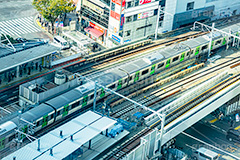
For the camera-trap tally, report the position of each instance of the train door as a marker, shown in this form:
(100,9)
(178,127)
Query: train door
(2,143)
(153,69)
(197,50)
(45,120)
(102,93)
(136,78)
(65,110)
(119,84)
(85,100)
(212,45)
(224,41)
(168,63)
(182,56)
(24,130)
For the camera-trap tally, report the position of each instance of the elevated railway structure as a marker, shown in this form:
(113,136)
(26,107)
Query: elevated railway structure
(172,90)
(180,118)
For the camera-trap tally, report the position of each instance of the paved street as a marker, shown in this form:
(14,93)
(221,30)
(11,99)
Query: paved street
(17,19)
(19,27)
(203,135)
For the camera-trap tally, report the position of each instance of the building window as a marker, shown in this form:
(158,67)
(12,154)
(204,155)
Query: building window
(128,33)
(113,6)
(155,12)
(136,2)
(129,4)
(129,19)
(190,6)
(135,17)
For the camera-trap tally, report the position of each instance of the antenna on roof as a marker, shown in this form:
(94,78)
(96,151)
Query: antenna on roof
(4,38)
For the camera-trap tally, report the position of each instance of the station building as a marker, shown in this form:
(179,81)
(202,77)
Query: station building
(117,22)
(27,58)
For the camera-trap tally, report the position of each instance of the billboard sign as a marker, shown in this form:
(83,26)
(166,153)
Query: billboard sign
(96,27)
(145,14)
(115,15)
(121,22)
(144,1)
(115,38)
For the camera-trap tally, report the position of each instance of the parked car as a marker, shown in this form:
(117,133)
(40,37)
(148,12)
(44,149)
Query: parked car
(205,154)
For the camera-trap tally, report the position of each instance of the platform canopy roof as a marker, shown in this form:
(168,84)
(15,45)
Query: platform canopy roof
(82,129)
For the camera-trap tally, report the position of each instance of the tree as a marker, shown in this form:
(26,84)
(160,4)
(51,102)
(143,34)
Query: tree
(51,9)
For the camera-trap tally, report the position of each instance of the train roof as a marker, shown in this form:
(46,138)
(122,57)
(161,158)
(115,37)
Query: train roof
(65,98)
(37,112)
(7,126)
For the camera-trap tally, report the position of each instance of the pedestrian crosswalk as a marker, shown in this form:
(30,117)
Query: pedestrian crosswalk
(18,27)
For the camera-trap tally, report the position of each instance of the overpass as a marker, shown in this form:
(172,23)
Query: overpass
(149,143)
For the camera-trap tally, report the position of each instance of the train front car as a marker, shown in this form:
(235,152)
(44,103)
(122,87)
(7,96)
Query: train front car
(7,134)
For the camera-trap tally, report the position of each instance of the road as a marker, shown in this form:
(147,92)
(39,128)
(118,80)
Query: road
(203,135)
(17,19)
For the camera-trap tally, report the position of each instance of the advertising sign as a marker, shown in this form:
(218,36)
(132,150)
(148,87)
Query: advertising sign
(93,6)
(117,2)
(145,14)
(115,15)
(116,38)
(237,117)
(121,22)
(96,27)
(144,1)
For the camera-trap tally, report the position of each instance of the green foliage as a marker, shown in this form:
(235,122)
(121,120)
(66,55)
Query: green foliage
(51,9)
(10,39)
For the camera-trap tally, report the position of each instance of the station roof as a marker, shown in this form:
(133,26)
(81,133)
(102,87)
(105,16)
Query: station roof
(27,55)
(82,128)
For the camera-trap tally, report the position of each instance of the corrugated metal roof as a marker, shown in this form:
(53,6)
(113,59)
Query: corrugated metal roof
(83,128)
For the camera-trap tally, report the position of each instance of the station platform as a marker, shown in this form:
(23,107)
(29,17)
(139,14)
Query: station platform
(102,143)
(84,137)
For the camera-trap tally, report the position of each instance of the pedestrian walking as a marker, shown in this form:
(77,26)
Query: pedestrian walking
(220,117)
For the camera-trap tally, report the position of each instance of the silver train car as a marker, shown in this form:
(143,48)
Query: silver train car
(59,107)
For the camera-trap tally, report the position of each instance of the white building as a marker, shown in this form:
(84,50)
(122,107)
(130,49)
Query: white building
(182,12)
(129,20)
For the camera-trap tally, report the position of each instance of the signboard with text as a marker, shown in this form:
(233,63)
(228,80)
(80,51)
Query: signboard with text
(96,27)
(144,1)
(115,15)
(145,14)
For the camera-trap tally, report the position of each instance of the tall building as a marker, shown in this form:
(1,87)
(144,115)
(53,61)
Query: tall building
(114,22)
(130,20)
(178,13)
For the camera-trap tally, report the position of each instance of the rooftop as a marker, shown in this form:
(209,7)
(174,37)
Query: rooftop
(24,54)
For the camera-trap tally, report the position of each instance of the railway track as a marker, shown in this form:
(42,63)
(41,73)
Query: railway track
(132,143)
(127,147)
(91,67)
(162,95)
(173,115)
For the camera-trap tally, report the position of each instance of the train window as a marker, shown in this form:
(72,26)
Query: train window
(51,117)
(58,113)
(112,86)
(75,104)
(204,47)
(11,138)
(38,123)
(145,72)
(92,96)
(218,42)
(175,59)
(188,53)
(160,65)
(130,78)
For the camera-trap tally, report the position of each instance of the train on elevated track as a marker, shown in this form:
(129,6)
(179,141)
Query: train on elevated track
(156,61)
